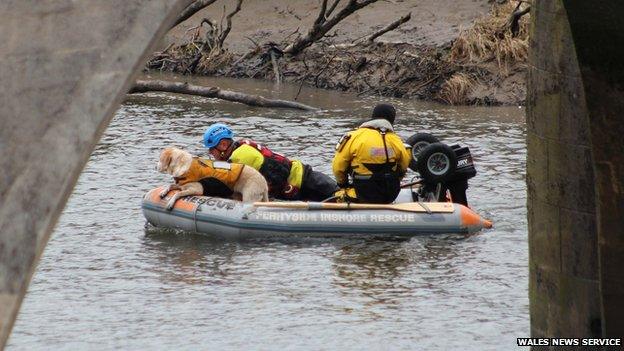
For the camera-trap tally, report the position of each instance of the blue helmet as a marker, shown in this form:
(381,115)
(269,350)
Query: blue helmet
(215,133)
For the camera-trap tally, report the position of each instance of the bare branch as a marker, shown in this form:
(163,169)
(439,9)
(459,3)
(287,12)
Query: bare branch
(320,19)
(318,75)
(514,21)
(392,26)
(362,4)
(296,31)
(193,65)
(276,69)
(221,21)
(242,58)
(164,51)
(142,86)
(192,9)
(292,12)
(319,30)
(228,27)
(332,8)
(254,42)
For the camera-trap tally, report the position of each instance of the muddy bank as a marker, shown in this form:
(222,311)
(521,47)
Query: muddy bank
(476,60)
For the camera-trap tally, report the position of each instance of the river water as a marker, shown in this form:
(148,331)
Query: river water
(105,283)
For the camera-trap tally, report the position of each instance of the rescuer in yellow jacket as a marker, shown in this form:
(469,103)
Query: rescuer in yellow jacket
(375,159)
(287,179)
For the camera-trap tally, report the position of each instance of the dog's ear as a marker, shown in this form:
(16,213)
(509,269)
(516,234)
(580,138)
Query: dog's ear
(165,160)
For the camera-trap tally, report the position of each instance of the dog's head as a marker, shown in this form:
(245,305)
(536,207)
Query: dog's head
(174,161)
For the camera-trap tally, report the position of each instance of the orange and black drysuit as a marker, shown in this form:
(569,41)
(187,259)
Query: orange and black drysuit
(217,178)
(287,179)
(375,158)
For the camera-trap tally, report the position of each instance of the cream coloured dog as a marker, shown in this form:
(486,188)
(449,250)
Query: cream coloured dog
(197,176)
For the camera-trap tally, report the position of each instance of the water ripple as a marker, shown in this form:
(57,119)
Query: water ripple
(103,283)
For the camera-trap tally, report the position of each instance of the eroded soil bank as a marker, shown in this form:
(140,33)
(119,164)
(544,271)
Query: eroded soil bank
(452,52)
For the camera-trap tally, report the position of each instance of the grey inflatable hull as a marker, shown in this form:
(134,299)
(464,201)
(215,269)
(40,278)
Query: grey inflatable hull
(235,219)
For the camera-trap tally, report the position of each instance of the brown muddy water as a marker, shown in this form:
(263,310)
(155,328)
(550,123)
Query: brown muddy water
(105,283)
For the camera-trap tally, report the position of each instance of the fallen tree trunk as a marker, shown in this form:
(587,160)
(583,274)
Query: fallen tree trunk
(144,86)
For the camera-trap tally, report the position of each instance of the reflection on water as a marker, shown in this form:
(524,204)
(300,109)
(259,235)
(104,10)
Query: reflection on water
(106,283)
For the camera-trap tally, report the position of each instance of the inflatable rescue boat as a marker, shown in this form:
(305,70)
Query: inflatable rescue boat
(235,219)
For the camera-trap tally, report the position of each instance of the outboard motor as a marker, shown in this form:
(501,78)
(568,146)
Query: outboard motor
(442,168)
(457,183)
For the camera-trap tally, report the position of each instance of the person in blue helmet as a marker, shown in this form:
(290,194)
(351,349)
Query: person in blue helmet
(287,179)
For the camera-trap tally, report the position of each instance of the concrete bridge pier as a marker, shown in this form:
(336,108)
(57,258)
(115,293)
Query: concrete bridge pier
(66,66)
(575,168)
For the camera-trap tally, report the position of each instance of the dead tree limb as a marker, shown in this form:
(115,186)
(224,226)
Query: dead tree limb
(241,59)
(224,33)
(276,69)
(324,24)
(301,86)
(193,65)
(143,86)
(257,46)
(318,75)
(320,18)
(514,20)
(192,9)
(392,26)
(273,53)
(331,8)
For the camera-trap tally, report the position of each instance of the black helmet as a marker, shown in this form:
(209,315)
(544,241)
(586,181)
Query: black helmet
(385,111)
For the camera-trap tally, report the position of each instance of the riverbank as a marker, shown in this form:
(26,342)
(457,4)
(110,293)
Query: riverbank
(446,52)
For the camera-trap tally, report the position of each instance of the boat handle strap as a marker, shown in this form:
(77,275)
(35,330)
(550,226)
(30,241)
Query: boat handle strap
(195,217)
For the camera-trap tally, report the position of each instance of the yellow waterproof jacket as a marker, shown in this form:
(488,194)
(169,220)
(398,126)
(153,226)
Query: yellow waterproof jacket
(251,156)
(227,173)
(361,152)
